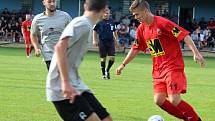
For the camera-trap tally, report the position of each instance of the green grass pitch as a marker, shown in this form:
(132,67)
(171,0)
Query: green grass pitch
(128,97)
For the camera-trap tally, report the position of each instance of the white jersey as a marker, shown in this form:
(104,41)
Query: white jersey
(49,28)
(79,31)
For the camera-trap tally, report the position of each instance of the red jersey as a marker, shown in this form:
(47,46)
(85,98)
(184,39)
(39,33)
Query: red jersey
(211,24)
(162,39)
(26,25)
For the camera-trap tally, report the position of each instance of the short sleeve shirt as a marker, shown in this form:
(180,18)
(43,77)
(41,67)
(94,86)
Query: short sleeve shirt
(50,30)
(26,25)
(79,31)
(105,29)
(162,39)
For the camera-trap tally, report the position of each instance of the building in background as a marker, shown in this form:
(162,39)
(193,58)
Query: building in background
(185,9)
(182,12)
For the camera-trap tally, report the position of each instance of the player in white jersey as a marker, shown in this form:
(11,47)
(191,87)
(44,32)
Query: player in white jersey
(49,26)
(73,99)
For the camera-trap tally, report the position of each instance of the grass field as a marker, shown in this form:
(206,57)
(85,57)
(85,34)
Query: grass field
(128,97)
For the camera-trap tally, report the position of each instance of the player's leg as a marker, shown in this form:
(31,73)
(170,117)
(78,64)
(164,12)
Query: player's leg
(160,98)
(31,47)
(103,64)
(111,54)
(103,54)
(97,107)
(93,117)
(27,46)
(48,64)
(27,50)
(79,110)
(175,87)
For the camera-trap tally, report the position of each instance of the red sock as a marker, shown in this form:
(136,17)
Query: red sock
(31,48)
(188,111)
(27,49)
(171,109)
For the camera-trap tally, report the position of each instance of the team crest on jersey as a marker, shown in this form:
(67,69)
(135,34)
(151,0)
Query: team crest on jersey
(176,31)
(136,42)
(155,47)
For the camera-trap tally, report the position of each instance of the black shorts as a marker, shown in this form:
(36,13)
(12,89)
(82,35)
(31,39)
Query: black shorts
(83,106)
(48,64)
(106,49)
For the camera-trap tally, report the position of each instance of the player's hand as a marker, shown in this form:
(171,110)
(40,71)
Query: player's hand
(119,69)
(199,59)
(37,52)
(95,44)
(69,92)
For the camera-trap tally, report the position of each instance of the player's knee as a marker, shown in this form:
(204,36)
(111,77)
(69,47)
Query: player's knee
(159,100)
(112,58)
(174,101)
(103,59)
(107,119)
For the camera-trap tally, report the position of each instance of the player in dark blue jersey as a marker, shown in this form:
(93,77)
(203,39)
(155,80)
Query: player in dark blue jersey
(106,32)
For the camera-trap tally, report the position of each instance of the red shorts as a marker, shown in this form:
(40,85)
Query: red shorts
(174,82)
(27,40)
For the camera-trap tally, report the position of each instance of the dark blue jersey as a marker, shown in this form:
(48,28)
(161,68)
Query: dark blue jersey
(105,29)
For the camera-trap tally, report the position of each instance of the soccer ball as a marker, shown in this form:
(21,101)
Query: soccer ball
(156,118)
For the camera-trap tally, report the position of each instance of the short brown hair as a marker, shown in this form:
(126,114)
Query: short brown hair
(95,5)
(139,4)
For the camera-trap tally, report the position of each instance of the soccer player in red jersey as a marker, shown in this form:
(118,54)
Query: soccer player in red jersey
(26,26)
(162,38)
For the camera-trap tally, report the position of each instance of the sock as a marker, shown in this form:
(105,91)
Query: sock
(110,63)
(103,67)
(188,111)
(171,109)
(27,50)
(31,48)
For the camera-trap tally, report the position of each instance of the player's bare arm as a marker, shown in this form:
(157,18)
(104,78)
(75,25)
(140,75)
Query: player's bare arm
(23,33)
(35,43)
(115,35)
(196,54)
(95,42)
(68,90)
(132,53)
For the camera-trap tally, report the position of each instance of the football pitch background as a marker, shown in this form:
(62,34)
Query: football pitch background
(128,97)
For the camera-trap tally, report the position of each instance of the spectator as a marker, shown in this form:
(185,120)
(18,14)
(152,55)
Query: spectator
(9,33)
(198,38)
(132,32)
(210,41)
(126,21)
(123,34)
(17,32)
(203,23)
(193,25)
(211,24)
(1,32)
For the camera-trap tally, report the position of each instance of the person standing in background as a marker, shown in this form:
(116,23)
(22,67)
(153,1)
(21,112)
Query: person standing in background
(108,37)
(26,27)
(48,25)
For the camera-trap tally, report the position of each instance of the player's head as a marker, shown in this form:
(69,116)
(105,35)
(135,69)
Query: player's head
(96,6)
(28,17)
(106,15)
(140,9)
(50,5)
